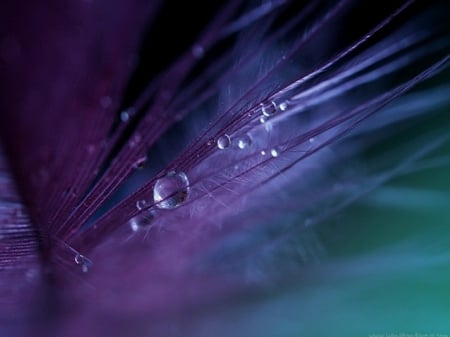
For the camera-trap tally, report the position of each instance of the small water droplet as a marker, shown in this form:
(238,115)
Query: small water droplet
(124,116)
(311,140)
(262,119)
(83,261)
(171,191)
(274,152)
(244,142)
(140,204)
(198,51)
(142,221)
(263,153)
(283,106)
(140,163)
(223,142)
(268,108)
(79,259)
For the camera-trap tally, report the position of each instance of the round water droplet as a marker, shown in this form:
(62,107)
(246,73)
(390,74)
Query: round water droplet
(140,204)
(268,108)
(283,106)
(171,191)
(142,221)
(124,116)
(244,142)
(263,153)
(79,259)
(274,152)
(223,142)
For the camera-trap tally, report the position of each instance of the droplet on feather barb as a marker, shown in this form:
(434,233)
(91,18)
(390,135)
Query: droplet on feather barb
(171,191)
(244,142)
(142,221)
(223,142)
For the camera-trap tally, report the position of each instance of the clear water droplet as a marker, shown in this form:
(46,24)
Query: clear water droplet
(223,142)
(83,261)
(171,191)
(140,204)
(263,153)
(244,142)
(283,106)
(142,221)
(275,152)
(268,108)
(124,116)
(79,259)
(140,163)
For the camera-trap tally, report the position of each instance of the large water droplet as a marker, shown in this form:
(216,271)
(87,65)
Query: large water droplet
(171,191)
(223,142)
(244,142)
(142,221)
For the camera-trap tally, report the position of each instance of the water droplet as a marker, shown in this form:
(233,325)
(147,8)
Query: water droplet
(124,116)
(244,142)
(274,152)
(140,163)
(263,153)
(223,142)
(79,259)
(268,108)
(171,191)
(142,221)
(262,119)
(83,261)
(140,204)
(283,106)
(198,51)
